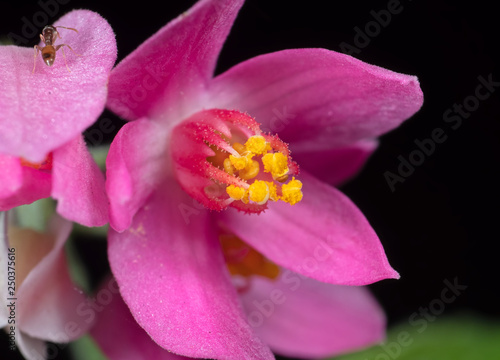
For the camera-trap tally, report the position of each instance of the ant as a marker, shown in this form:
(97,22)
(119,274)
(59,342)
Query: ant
(48,36)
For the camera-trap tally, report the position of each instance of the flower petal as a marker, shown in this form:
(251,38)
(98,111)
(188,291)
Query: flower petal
(136,163)
(120,337)
(31,348)
(325,237)
(168,72)
(335,166)
(47,299)
(78,185)
(172,275)
(4,259)
(45,109)
(20,184)
(316,98)
(301,317)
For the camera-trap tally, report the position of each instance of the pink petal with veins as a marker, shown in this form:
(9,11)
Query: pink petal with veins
(167,75)
(78,185)
(20,184)
(135,165)
(119,335)
(172,275)
(301,317)
(325,237)
(318,99)
(45,109)
(336,166)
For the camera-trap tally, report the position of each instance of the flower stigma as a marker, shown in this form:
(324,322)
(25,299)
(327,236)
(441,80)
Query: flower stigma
(223,159)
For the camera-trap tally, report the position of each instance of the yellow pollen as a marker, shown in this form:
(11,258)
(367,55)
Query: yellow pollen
(292,192)
(259,192)
(228,167)
(239,162)
(251,171)
(282,178)
(245,198)
(239,148)
(243,260)
(257,144)
(235,192)
(276,164)
(272,191)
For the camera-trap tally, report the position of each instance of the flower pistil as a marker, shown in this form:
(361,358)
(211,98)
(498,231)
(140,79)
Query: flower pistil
(240,166)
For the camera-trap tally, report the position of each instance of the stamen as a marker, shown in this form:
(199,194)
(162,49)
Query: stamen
(243,260)
(239,162)
(235,192)
(259,192)
(292,192)
(208,151)
(228,166)
(277,165)
(239,148)
(251,171)
(257,144)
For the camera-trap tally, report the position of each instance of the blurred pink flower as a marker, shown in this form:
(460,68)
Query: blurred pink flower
(42,151)
(46,302)
(165,250)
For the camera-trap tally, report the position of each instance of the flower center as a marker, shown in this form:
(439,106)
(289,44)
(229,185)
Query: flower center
(223,159)
(245,261)
(45,165)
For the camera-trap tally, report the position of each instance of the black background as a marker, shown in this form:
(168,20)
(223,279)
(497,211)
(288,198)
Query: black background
(441,222)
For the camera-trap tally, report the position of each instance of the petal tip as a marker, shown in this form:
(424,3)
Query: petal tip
(390,273)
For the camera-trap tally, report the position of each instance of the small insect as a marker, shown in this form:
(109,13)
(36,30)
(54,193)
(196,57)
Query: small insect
(48,36)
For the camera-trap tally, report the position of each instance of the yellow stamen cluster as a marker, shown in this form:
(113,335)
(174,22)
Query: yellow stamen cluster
(247,168)
(243,260)
(257,145)
(260,191)
(235,192)
(277,165)
(292,192)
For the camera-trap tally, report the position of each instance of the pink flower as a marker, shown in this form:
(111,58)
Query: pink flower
(42,152)
(43,306)
(338,318)
(119,336)
(300,317)
(165,250)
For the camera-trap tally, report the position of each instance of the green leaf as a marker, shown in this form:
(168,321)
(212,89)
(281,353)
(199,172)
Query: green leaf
(35,215)
(86,348)
(91,233)
(99,153)
(462,337)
